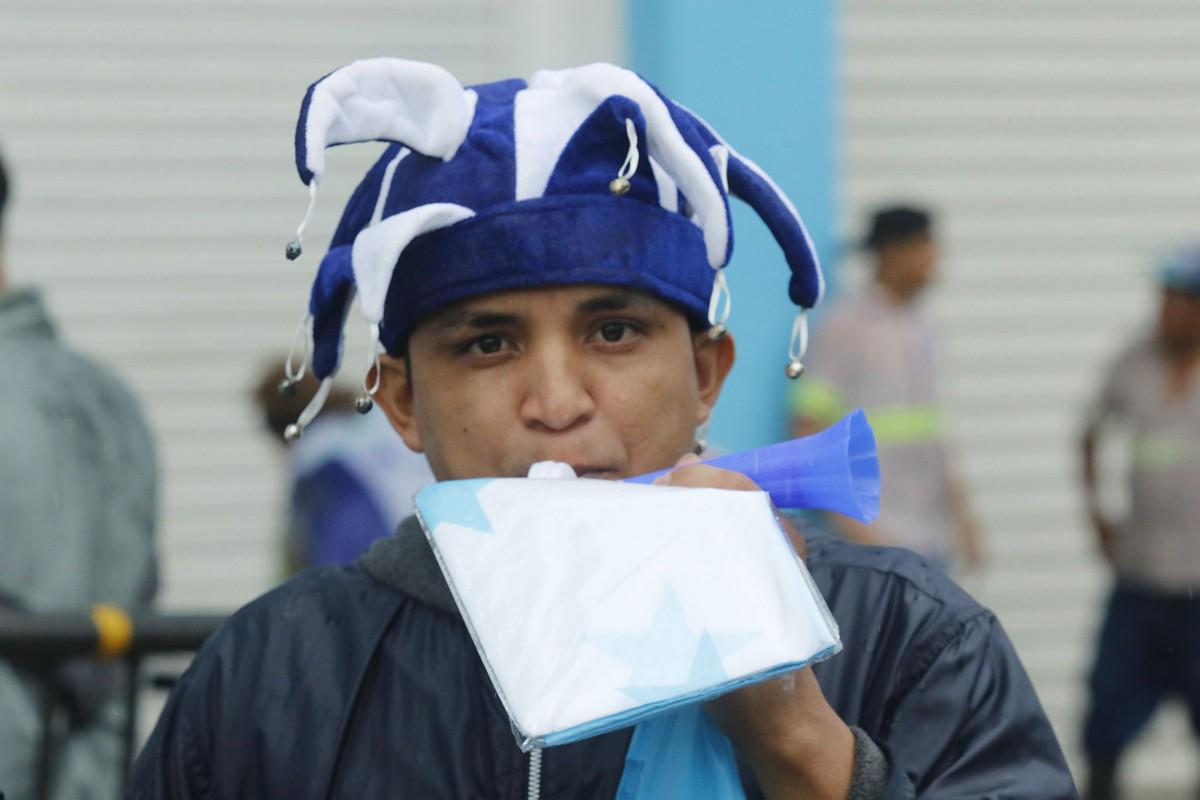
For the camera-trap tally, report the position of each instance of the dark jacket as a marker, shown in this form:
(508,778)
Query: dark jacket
(362,682)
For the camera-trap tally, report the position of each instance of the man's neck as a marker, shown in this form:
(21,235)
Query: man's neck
(895,294)
(1181,368)
(1185,358)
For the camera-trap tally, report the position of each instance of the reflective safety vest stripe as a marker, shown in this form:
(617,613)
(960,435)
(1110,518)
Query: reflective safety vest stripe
(818,400)
(905,424)
(1155,451)
(821,401)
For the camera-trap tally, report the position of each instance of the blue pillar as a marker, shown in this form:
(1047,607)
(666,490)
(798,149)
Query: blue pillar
(762,73)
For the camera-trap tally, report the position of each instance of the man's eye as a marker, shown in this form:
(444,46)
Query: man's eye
(614,331)
(488,344)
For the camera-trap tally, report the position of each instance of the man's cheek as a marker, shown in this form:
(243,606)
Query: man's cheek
(651,428)
(640,410)
(649,384)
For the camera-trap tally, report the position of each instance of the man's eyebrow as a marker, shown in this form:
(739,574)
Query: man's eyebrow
(475,320)
(615,301)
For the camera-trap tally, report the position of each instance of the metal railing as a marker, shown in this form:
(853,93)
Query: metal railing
(40,644)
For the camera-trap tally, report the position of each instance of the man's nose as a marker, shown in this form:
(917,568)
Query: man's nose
(557,397)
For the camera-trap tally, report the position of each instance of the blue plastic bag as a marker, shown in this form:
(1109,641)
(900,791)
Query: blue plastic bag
(680,754)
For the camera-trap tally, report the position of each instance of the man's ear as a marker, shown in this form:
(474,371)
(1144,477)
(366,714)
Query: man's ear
(714,359)
(395,397)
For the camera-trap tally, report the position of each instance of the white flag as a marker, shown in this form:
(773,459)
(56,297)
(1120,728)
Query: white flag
(596,604)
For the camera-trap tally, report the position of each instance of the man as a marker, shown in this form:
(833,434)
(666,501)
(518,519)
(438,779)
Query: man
(542,291)
(1149,643)
(876,351)
(77,519)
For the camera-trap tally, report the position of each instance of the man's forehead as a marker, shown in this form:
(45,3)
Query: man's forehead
(527,302)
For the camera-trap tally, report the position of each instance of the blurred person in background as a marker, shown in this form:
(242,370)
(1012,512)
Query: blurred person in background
(351,478)
(77,521)
(1149,643)
(876,351)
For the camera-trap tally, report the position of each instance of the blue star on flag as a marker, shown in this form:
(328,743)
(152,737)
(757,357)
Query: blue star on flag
(455,502)
(668,659)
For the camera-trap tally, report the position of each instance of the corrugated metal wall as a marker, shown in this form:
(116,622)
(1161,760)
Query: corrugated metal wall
(150,144)
(1060,141)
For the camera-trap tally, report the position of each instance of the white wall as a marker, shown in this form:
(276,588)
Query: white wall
(1060,141)
(150,142)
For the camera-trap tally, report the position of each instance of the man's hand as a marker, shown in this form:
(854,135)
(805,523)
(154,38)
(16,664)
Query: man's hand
(871,534)
(1106,530)
(1106,535)
(966,521)
(792,738)
(971,542)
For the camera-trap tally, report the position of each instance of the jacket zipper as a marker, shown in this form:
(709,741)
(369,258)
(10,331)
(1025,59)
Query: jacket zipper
(535,774)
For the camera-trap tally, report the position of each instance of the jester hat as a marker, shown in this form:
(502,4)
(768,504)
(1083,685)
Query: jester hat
(586,175)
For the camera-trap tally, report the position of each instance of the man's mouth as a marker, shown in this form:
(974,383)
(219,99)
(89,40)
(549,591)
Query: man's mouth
(592,471)
(581,468)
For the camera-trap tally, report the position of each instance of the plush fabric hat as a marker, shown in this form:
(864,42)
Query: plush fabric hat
(586,175)
(1181,269)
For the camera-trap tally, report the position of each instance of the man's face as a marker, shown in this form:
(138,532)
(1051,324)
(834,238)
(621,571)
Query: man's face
(1179,321)
(910,265)
(610,381)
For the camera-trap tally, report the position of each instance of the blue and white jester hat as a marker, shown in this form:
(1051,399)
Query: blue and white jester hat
(586,175)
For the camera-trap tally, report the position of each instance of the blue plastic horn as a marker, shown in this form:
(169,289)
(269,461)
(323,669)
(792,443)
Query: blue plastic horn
(835,470)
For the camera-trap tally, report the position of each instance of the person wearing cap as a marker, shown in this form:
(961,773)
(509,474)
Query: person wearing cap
(876,351)
(541,262)
(1149,641)
(78,512)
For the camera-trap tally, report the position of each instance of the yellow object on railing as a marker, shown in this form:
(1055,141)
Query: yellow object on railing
(114,630)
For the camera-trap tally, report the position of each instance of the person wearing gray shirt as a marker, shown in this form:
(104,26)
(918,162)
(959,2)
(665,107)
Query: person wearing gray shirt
(877,351)
(77,520)
(1150,639)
